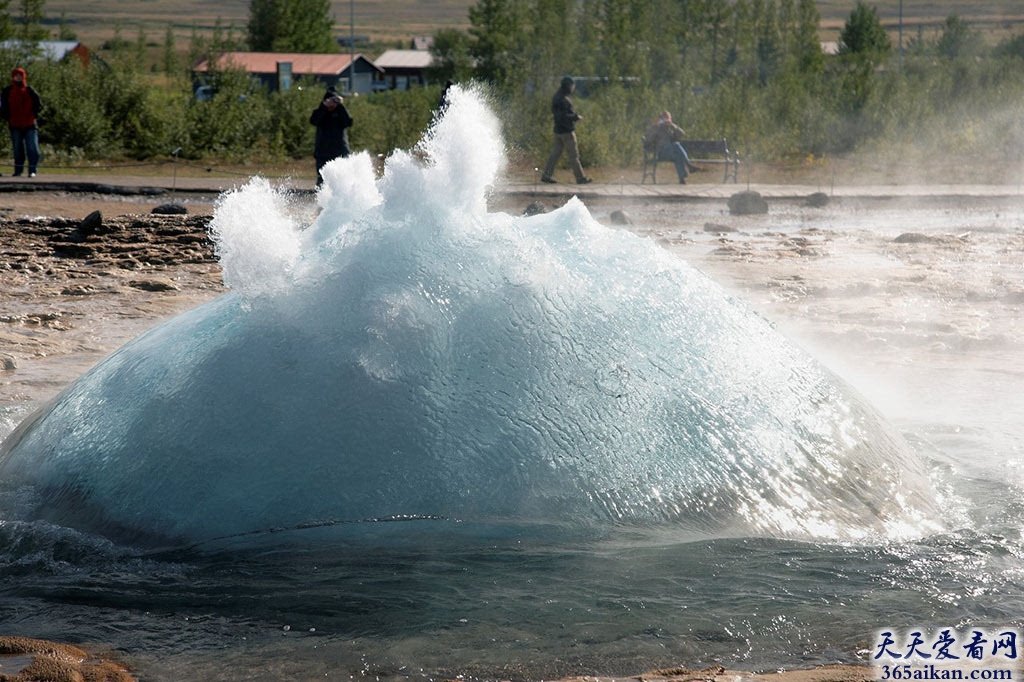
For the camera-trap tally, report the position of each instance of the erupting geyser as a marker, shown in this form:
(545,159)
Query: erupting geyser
(412,356)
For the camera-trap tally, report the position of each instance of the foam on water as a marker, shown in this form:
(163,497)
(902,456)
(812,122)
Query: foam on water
(411,356)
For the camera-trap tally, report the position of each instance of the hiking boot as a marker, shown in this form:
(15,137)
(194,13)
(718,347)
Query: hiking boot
(682,181)
(545,178)
(584,180)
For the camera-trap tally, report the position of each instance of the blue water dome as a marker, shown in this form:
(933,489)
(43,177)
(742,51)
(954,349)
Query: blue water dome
(414,361)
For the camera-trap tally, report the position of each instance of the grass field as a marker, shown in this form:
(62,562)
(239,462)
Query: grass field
(995,19)
(95,21)
(396,21)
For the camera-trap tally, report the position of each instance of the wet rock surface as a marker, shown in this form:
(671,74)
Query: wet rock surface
(747,203)
(73,290)
(23,659)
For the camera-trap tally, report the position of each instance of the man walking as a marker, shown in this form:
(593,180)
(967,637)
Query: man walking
(565,133)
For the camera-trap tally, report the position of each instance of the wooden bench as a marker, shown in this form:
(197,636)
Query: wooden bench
(699,152)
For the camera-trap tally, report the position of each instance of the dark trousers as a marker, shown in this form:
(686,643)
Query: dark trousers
(322,161)
(25,141)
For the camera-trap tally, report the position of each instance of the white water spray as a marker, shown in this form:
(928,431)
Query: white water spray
(411,356)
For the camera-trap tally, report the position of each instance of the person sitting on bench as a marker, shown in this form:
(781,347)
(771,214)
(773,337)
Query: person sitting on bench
(664,138)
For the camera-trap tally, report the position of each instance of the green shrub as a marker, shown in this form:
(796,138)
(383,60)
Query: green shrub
(390,120)
(292,133)
(233,125)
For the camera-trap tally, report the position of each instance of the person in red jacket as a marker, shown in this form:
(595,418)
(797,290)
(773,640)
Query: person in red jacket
(20,105)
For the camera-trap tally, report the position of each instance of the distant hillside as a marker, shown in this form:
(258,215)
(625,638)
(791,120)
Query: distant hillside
(95,21)
(995,19)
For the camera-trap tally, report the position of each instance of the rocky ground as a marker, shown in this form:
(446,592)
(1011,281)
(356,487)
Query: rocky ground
(74,289)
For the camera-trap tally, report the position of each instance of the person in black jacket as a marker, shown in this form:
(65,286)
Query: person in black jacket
(565,133)
(332,122)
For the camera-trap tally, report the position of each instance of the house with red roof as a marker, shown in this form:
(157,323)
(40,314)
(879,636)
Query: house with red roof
(52,50)
(277,70)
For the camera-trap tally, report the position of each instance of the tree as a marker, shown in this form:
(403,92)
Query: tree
(1011,47)
(170,53)
(264,18)
(30,27)
(291,26)
(139,53)
(64,31)
(957,39)
(617,37)
(718,19)
(5,20)
(863,34)
(624,22)
(497,30)
(452,60)
(863,44)
(768,51)
(806,47)
(552,28)
(744,30)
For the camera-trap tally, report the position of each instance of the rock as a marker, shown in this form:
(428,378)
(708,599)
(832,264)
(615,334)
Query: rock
(120,241)
(7,362)
(817,200)
(192,239)
(73,250)
(620,218)
(78,290)
(43,661)
(730,250)
(170,209)
(41,318)
(535,208)
(718,229)
(153,285)
(91,224)
(747,203)
(915,238)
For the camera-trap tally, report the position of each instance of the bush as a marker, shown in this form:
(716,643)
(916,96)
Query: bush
(391,120)
(138,116)
(233,125)
(293,135)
